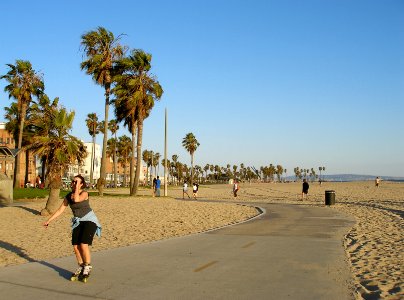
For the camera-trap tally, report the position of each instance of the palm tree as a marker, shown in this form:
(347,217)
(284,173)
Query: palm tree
(12,126)
(113,126)
(174,165)
(136,92)
(93,130)
(206,169)
(156,158)
(60,148)
(147,158)
(190,143)
(125,151)
(23,84)
(102,50)
(279,172)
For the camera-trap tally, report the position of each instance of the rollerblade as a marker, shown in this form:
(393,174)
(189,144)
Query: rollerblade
(85,274)
(76,275)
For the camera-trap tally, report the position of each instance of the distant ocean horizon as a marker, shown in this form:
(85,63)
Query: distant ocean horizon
(352,177)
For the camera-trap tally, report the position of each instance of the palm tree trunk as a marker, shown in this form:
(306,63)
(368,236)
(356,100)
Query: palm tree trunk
(139,154)
(54,200)
(101,182)
(124,173)
(132,160)
(26,166)
(17,179)
(192,168)
(92,162)
(43,165)
(115,164)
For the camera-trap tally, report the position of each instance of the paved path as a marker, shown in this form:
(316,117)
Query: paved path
(290,252)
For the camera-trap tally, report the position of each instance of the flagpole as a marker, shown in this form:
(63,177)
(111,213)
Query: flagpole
(165,155)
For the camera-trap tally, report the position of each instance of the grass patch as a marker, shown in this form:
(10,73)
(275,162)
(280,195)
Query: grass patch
(21,193)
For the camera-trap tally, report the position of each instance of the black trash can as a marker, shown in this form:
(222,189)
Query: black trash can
(329,197)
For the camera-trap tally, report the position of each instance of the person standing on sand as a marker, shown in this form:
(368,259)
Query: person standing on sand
(84,224)
(195,188)
(305,189)
(185,190)
(236,187)
(158,184)
(154,187)
(377,181)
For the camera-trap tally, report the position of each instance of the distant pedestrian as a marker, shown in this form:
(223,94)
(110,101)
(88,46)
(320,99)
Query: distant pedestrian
(158,184)
(185,190)
(195,188)
(154,187)
(305,189)
(236,188)
(377,181)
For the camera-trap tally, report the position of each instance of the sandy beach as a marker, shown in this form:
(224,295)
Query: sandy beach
(374,245)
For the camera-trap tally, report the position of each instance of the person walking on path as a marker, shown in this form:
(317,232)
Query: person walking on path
(158,184)
(195,188)
(305,189)
(236,187)
(84,225)
(185,190)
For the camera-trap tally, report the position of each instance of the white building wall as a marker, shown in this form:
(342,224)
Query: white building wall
(86,168)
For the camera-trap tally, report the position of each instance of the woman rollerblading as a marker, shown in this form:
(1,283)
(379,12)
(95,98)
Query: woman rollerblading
(84,225)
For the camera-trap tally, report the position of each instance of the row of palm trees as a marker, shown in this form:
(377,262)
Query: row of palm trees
(135,90)
(307,173)
(126,78)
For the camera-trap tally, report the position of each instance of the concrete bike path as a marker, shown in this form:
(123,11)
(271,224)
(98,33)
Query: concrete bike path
(289,252)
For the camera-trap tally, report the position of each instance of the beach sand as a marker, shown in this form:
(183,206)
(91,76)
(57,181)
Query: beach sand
(374,246)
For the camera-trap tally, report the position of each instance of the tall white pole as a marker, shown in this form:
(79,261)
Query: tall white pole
(165,155)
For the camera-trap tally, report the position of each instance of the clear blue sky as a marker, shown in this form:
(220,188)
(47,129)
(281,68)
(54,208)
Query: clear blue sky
(297,83)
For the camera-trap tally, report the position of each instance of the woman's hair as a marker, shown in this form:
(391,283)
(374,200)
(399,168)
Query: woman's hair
(82,180)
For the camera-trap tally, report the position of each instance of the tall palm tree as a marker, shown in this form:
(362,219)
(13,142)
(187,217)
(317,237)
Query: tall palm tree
(60,148)
(113,126)
(93,130)
(190,143)
(102,50)
(23,84)
(136,91)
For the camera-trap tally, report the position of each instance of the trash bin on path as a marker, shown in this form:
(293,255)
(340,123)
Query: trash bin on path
(329,197)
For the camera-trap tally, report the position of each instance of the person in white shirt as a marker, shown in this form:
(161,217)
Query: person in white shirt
(185,190)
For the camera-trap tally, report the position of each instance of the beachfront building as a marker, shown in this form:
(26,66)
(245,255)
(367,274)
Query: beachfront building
(85,168)
(121,172)
(7,165)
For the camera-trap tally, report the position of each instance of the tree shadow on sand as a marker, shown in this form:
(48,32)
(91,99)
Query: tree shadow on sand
(21,253)
(33,211)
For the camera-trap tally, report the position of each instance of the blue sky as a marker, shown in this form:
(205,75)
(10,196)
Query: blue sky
(296,83)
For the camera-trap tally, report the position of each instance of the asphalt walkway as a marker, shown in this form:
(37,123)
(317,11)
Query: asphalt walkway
(288,252)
